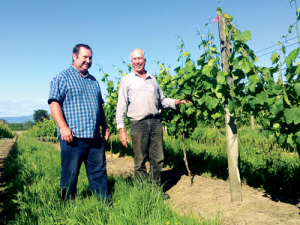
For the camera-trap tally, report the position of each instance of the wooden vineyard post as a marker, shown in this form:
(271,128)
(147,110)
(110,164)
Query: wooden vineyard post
(230,123)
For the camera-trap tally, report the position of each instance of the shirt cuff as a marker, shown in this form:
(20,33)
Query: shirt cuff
(173,105)
(120,125)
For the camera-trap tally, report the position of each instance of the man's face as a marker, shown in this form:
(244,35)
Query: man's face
(83,61)
(138,62)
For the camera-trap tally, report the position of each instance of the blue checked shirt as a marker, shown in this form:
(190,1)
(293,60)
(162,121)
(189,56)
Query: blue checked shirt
(80,99)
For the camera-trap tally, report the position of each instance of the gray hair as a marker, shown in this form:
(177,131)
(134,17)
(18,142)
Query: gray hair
(138,49)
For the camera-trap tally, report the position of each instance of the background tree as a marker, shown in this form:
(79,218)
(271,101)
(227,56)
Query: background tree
(40,114)
(3,121)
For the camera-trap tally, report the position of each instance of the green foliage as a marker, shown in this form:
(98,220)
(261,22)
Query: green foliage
(198,85)
(21,126)
(5,131)
(275,102)
(40,114)
(112,99)
(45,128)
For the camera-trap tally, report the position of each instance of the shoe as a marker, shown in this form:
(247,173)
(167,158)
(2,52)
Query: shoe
(166,196)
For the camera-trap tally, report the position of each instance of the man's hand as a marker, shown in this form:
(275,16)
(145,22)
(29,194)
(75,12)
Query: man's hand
(105,134)
(184,101)
(66,134)
(123,137)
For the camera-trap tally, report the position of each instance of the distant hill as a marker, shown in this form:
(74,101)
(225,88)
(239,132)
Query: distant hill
(20,119)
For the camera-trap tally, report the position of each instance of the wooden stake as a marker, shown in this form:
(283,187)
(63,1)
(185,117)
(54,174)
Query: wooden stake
(230,123)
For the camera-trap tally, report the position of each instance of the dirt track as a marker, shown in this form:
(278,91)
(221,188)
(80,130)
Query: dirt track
(5,146)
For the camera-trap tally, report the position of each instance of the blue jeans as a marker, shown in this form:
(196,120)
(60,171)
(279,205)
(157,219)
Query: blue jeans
(91,152)
(147,134)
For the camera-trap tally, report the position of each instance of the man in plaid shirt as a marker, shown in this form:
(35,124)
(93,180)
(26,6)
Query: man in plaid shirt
(75,102)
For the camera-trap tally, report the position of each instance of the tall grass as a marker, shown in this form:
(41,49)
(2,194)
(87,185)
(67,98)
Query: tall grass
(32,173)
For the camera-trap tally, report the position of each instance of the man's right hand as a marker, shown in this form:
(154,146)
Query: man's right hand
(66,134)
(124,137)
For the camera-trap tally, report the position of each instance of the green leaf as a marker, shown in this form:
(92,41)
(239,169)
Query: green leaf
(290,140)
(201,100)
(221,77)
(282,138)
(279,103)
(247,35)
(273,109)
(274,58)
(206,70)
(261,98)
(110,84)
(190,111)
(238,36)
(286,98)
(292,115)
(186,53)
(290,28)
(230,105)
(219,10)
(235,64)
(187,91)
(214,102)
(216,115)
(283,49)
(245,65)
(189,66)
(208,101)
(238,74)
(211,62)
(254,79)
(297,89)
(114,95)
(291,57)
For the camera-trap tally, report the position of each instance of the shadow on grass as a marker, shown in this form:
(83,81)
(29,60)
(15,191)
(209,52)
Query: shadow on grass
(117,147)
(11,175)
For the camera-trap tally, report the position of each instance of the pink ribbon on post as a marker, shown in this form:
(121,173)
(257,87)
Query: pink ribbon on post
(217,18)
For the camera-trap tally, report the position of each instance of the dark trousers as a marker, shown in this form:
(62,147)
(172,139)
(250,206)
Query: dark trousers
(147,134)
(91,152)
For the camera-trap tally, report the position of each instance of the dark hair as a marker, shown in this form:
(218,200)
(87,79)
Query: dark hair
(78,46)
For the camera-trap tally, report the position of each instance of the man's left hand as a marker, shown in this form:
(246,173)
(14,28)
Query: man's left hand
(183,101)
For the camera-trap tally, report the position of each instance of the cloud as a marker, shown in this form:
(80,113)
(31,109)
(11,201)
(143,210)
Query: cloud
(15,108)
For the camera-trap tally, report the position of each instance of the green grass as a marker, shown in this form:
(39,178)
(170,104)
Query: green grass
(32,172)
(32,176)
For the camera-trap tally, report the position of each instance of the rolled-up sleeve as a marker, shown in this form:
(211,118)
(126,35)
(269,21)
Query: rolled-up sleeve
(121,105)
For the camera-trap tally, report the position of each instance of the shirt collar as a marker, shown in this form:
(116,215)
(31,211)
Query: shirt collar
(75,70)
(147,75)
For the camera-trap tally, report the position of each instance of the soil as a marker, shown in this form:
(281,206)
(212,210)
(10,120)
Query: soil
(210,198)
(5,146)
(207,197)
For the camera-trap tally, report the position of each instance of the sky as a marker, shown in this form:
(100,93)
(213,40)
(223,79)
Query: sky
(37,38)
